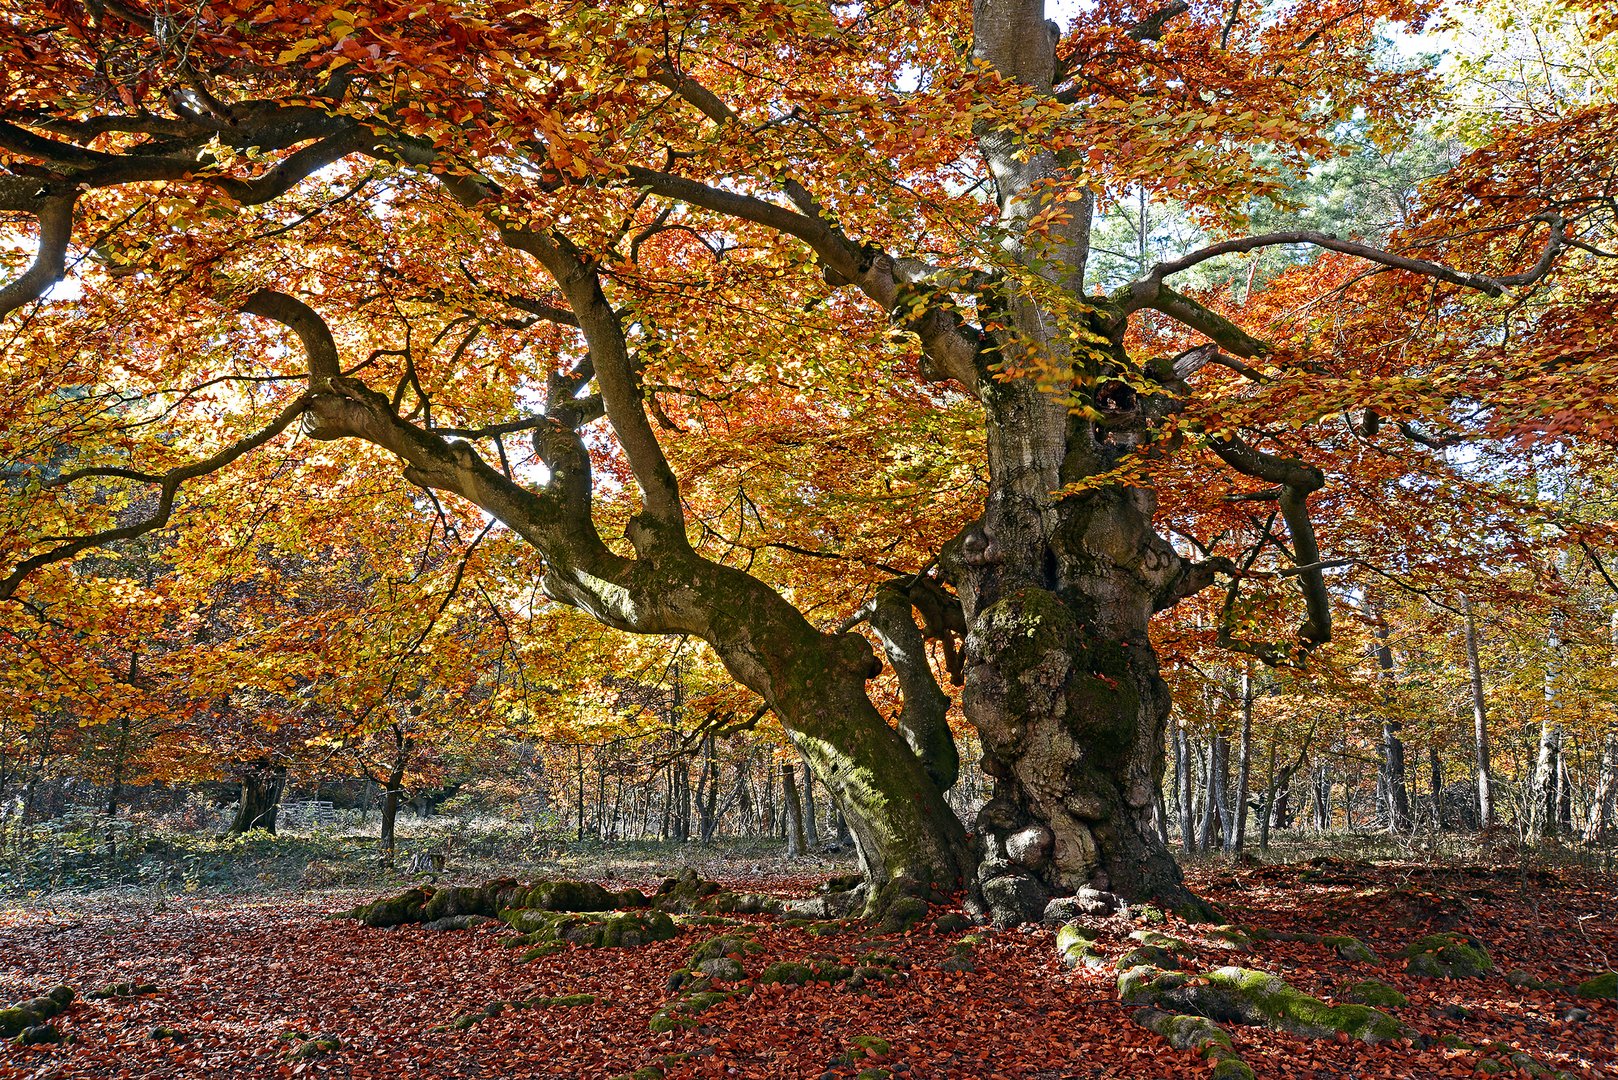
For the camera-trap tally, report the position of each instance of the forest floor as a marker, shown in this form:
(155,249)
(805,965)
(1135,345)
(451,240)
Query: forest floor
(235,979)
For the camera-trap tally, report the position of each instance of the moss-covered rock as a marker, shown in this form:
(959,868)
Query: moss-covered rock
(1231,1067)
(461,900)
(1447,956)
(732,945)
(951,922)
(1373,992)
(685,893)
(959,960)
(871,1044)
(1161,941)
(567,896)
(689,894)
(542,950)
(318,1046)
(14,1021)
(565,1001)
(43,1006)
(627,929)
(1184,1032)
(545,932)
(1075,945)
(795,973)
(461,922)
(876,969)
(62,994)
(1350,948)
(1200,1034)
(168,1034)
(645,1072)
(1148,956)
(1257,998)
(38,1035)
(1233,938)
(831,927)
(1142,984)
(1604,985)
(723,968)
(123,989)
(683,1012)
(1524,980)
(407,907)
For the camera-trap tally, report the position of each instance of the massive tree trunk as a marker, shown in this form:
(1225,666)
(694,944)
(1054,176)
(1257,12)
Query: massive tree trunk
(1063,686)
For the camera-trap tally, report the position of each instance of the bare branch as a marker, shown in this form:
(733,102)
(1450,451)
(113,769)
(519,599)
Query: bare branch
(169,487)
(1141,292)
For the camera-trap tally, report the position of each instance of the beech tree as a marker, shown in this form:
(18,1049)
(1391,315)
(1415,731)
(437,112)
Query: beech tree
(615,229)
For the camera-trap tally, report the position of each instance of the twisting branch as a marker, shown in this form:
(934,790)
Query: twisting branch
(169,487)
(1297,482)
(949,346)
(1152,26)
(55,215)
(1145,291)
(310,328)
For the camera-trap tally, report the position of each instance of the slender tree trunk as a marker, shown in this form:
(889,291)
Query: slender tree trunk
(1436,772)
(1564,788)
(1480,721)
(120,750)
(1226,820)
(1267,803)
(793,818)
(744,796)
(601,805)
(1182,773)
(1542,791)
(1205,826)
(770,808)
(393,792)
(1605,804)
(811,832)
(1244,761)
(578,767)
(1393,747)
(120,755)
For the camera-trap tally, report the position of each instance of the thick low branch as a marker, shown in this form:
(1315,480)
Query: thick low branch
(1152,26)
